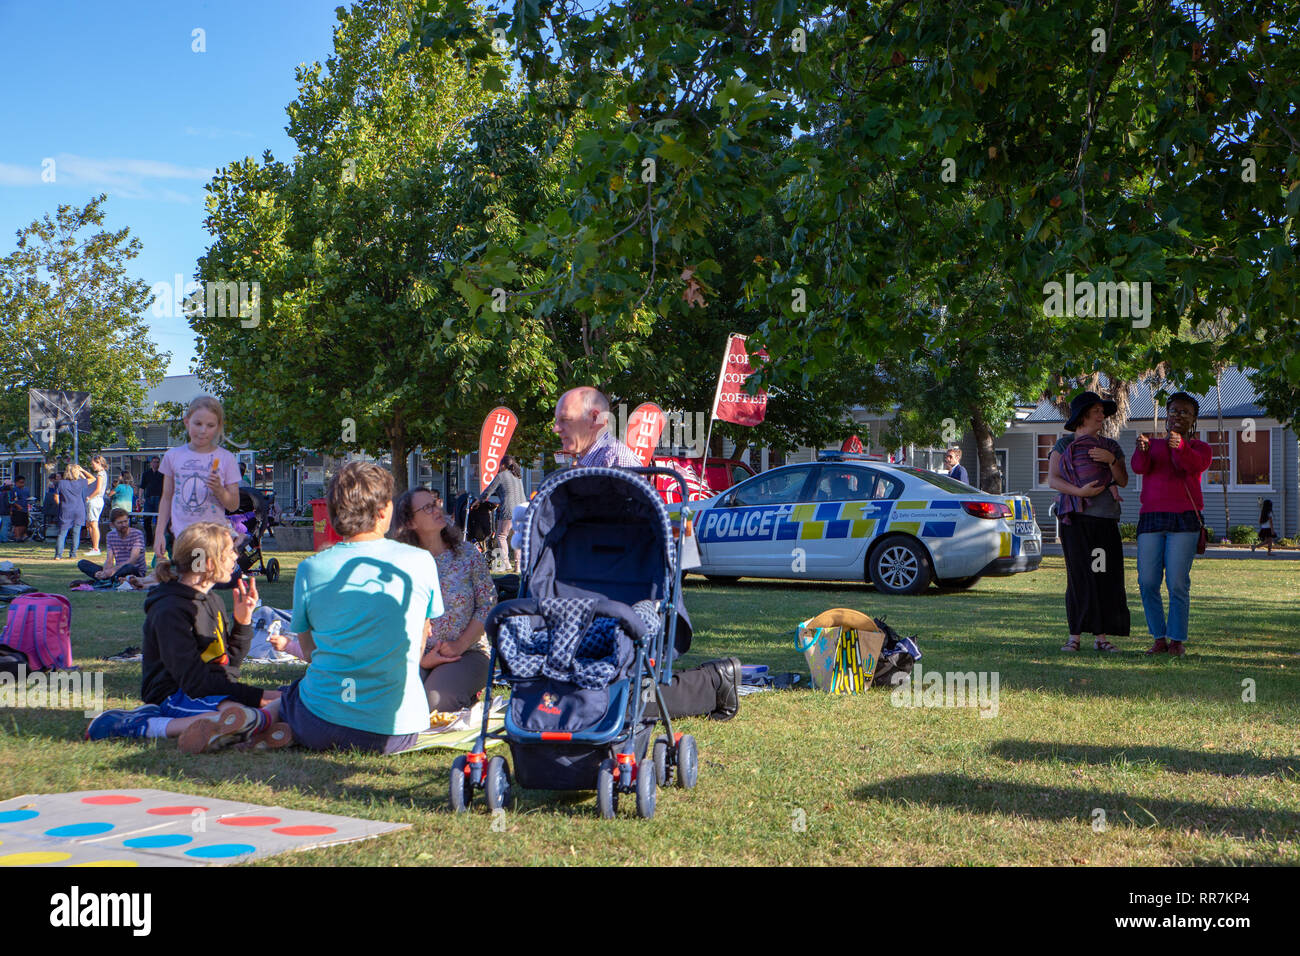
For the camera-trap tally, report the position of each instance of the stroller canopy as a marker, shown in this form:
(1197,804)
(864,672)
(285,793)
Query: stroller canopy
(601,531)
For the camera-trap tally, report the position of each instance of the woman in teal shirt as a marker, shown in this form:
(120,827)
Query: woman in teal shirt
(124,493)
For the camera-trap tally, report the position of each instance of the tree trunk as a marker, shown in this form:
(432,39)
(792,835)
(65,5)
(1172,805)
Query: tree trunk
(739,450)
(990,473)
(1119,395)
(399,448)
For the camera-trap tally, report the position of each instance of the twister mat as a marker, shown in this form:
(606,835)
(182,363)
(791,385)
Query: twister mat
(157,828)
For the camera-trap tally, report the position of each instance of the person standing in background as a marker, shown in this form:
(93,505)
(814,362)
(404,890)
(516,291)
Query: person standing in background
(95,500)
(73,490)
(1169,523)
(952,461)
(151,489)
(509,482)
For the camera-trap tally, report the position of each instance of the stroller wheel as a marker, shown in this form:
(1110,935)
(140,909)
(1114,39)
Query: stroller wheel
(645,790)
(461,790)
(606,794)
(273,570)
(500,794)
(662,769)
(688,762)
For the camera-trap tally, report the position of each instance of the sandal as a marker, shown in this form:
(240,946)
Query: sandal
(1070,645)
(1105,646)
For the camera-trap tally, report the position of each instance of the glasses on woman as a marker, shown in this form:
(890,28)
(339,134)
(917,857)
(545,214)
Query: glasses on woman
(431,508)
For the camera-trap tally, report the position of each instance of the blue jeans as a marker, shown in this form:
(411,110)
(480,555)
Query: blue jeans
(1167,555)
(63,534)
(5,521)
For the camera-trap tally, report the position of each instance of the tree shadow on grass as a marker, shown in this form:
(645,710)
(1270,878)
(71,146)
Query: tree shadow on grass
(1065,804)
(1172,759)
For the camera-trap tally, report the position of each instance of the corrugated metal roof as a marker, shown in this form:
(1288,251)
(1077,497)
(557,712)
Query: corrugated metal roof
(1239,400)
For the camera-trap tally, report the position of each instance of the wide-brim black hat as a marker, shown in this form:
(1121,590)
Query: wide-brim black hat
(1084,401)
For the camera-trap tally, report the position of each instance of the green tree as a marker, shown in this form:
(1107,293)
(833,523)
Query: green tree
(1121,142)
(362,343)
(70,318)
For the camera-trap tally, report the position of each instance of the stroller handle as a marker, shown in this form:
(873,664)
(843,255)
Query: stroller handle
(605,607)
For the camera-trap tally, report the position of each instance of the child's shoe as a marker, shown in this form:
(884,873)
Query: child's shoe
(122,723)
(271,737)
(207,735)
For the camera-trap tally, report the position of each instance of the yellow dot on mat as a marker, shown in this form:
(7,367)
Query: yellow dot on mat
(107,863)
(33,859)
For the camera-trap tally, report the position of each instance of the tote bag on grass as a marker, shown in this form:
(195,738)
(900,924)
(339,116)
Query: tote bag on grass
(842,648)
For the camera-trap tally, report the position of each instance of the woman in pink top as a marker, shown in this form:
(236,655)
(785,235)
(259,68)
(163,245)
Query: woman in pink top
(1169,522)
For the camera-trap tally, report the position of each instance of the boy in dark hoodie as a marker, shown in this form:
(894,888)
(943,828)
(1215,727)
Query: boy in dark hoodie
(191,657)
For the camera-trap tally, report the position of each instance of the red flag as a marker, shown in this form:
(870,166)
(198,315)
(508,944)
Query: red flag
(852,444)
(731,403)
(493,440)
(644,427)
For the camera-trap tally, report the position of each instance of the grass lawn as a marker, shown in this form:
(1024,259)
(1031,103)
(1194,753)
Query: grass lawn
(1185,771)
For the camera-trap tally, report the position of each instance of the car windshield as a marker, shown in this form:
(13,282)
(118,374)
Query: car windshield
(941,481)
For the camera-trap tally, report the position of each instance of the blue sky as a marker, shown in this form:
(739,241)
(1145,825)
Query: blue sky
(116,96)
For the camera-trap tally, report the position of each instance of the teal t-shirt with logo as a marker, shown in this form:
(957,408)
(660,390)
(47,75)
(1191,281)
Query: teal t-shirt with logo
(365,603)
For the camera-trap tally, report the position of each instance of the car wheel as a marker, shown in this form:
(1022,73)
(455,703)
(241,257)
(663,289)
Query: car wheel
(960,583)
(720,579)
(900,566)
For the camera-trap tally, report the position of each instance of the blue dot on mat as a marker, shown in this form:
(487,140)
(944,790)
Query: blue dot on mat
(222,850)
(13,816)
(166,839)
(79,829)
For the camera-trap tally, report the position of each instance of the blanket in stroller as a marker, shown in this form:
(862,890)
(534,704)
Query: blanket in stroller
(574,646)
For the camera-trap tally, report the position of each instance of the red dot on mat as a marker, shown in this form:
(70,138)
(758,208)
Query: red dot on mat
(304,831)
(249,821)
(110,800)
(173,811)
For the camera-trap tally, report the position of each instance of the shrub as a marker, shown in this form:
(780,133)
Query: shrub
(1128,532)
(1243,534)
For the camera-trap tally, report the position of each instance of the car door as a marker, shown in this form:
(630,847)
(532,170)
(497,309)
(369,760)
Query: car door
(747,531)
(846,507)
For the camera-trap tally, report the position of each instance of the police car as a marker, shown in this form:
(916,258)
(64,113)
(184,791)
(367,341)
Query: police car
(846,518)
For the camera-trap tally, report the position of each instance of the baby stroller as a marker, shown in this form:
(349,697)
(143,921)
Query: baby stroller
(585,647)
(253,519)
(478,519)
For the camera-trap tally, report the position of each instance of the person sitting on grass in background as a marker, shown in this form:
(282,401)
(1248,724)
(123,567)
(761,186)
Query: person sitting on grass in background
(125,551)
(192,654)
(361,610)
(1266,533)
(123,493)
(200,478)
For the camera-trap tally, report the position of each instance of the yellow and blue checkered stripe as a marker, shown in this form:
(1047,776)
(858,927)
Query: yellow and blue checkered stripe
(826,521)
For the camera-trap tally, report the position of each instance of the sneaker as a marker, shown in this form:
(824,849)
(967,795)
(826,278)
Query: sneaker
(93,553)
(1161,646)
(271,737)
(208,735)
(1176,649)
(122,723)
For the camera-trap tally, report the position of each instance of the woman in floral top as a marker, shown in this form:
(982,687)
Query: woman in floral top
(456,652)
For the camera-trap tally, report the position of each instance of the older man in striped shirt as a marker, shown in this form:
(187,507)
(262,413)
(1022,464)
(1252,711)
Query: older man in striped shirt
(582,422)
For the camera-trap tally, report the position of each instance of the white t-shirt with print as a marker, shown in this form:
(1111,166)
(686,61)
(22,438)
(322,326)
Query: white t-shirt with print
(192,500)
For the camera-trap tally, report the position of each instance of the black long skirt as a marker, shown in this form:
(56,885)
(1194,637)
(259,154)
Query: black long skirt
(1095,599)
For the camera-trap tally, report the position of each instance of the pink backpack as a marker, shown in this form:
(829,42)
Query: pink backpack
(40,625)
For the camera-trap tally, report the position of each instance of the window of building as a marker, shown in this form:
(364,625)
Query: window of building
(1242,457)
(1044,452)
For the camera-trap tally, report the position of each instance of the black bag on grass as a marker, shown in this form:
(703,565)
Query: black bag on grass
(896,656)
